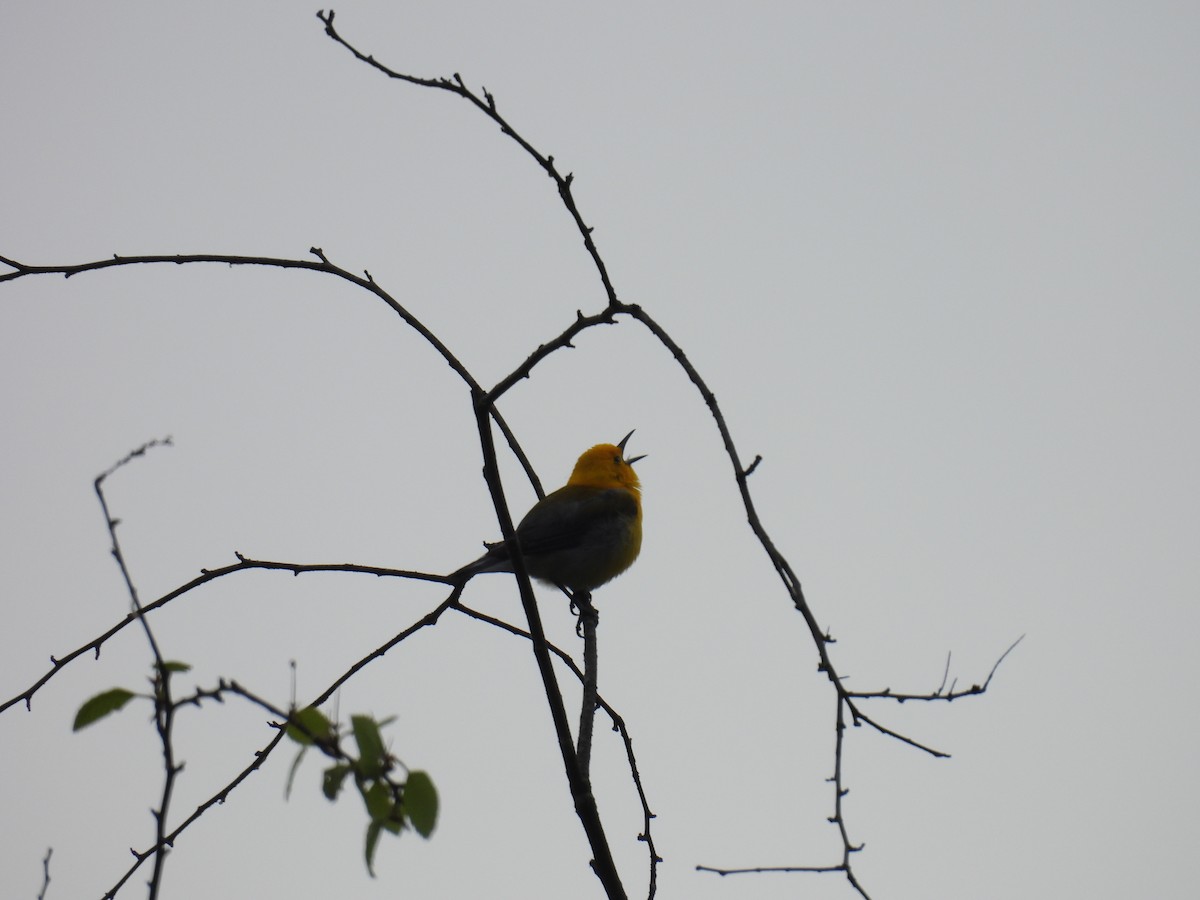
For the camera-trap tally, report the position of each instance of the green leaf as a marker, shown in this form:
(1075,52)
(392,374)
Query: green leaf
(421,802)
(373,832)
(331,783)
(309,725)
(379,801)
(172,665)
(394,825)
(287,790)
(370,746)
(100,706)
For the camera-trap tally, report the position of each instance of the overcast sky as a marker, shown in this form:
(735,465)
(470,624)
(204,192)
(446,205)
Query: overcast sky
(938,262)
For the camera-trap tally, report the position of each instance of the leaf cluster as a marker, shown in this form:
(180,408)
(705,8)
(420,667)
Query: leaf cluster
(395,797)
(392,804)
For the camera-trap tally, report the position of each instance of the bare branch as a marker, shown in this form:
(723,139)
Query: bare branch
(585,802)
(207,575)
(588,622)
(45,873)
(952,694)
(164,706)
(618,725)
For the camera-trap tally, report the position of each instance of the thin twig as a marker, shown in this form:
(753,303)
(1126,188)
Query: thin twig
(588,620)
(952,694)
(58,663)
(164,706)
(618,721)
(45,874)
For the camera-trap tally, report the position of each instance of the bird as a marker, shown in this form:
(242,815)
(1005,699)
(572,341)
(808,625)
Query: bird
(582,535)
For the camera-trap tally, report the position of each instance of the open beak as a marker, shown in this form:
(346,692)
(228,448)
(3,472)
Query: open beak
(621,447)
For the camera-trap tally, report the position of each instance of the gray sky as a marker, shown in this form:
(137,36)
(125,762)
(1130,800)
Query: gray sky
(936,260)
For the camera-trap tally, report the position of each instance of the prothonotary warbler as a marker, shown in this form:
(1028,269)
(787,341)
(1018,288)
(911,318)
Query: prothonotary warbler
(582,535)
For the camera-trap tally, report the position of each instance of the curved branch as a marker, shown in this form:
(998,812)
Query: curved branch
(243,564)
(323,265)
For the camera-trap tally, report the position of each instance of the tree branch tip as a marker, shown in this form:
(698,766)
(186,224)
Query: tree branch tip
(749,470)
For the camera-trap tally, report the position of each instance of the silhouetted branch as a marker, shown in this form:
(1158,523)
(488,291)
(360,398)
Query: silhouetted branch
(973,690)
(486,104)
(164,706)
(322,264)
(45,873)
(588,620)
(618,725)
(207,575)
(581,793)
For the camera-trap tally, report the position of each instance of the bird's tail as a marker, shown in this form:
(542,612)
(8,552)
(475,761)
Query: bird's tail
(495,560)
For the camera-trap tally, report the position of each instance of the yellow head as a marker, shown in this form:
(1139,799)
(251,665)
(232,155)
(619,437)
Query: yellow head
(605,466)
